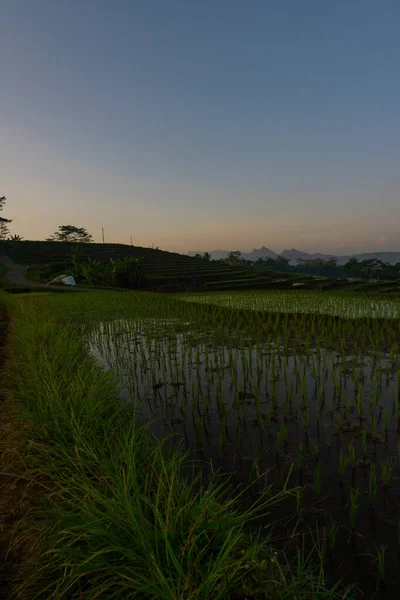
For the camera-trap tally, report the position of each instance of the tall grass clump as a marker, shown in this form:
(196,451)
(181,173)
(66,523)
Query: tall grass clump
(118,517)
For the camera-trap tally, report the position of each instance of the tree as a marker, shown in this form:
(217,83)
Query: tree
(234,258)
(4,231)
(392,271)
(374,268)
(371,268)
(331,262)
(206,256)
(14,241)
(70,233)
(269,261)
(317,264)
(352,267)
(281,261)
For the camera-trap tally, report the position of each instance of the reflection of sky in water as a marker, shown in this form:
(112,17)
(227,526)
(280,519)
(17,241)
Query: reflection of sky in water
(188,383)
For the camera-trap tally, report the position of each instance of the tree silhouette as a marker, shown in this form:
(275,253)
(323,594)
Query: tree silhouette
(234,258)
(4,231)
(70,233)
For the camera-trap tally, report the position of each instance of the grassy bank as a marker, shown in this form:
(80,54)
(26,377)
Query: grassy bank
(3,273)
(116,516)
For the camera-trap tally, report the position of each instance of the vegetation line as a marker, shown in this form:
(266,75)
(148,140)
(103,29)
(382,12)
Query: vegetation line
(117,519)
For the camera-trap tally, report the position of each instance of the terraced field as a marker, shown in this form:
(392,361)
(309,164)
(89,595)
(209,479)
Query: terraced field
(172,272)
(164,271)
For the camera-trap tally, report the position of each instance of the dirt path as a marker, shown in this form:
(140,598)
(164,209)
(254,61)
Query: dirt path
(15,491)
(16,276)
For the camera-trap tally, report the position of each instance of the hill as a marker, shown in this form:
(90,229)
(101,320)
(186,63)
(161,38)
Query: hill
(164,271)
(172,272)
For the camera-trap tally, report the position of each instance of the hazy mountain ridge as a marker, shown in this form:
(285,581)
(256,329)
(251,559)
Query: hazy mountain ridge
(253,255)
(293,254)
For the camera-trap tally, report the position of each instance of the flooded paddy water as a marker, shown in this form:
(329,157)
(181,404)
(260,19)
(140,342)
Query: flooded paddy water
(320,411)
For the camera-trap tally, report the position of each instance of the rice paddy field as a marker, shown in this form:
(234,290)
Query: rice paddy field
(290,389)
(266,386)
(349,306)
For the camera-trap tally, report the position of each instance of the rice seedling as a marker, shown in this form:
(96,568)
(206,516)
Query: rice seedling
(347,407)
(372,485)
(299,502)
(320,545)
(284,434)
(352,455)
(254,473)
(317,480)
(380,559)
(333,531)
(373,428)
(300,456)
(315,449)
(360,404)
(353,506)
(386,468)
(364,443)
(343,462)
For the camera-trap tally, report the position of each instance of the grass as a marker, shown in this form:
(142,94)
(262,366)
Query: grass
(118,517)
(46,272)
(3,273)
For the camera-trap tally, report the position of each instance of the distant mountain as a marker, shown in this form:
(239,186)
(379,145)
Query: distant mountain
(215,254)
(261,253)
(253,255)
(293,255)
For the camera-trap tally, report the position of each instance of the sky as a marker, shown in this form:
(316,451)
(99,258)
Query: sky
(219,124)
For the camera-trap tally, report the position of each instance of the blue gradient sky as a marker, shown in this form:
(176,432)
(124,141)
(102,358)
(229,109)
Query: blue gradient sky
(203,125)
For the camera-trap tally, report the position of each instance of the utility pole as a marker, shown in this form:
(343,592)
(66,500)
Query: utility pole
(131,241)
(102,233)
